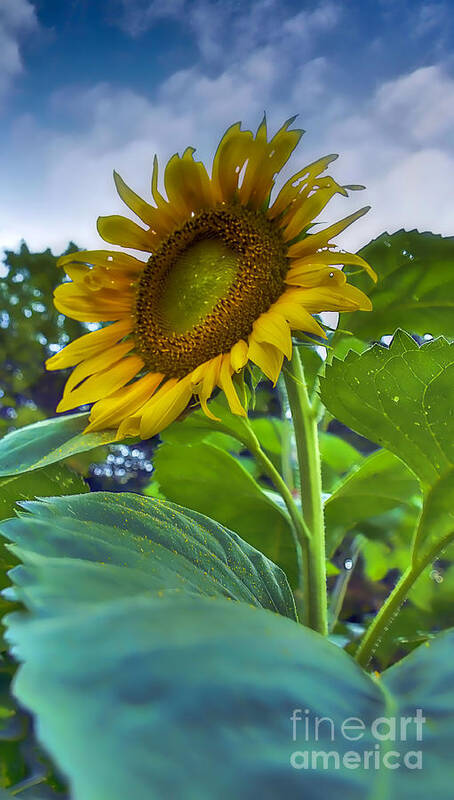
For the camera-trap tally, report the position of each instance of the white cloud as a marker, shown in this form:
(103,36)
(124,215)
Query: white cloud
(400,146)
(135,17)
(396,141)
(419,107)
(225,30)
(71,174)
(17,19)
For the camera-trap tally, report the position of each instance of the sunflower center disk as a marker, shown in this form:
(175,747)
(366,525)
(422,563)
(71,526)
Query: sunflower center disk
(200,277)
(205,286)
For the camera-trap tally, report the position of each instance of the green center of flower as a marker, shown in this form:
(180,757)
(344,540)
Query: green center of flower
(199,278)
(205,286)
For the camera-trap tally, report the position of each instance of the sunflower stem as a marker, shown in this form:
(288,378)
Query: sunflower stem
(315,611)
(384,617)
(395,601)
(299,529)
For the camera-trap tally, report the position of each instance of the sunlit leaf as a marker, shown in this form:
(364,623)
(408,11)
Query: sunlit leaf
(415,287)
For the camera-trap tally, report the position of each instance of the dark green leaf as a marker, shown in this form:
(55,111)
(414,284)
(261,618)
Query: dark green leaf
(46,442)
(210,480)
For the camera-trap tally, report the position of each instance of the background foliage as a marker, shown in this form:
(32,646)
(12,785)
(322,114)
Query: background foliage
(386,438)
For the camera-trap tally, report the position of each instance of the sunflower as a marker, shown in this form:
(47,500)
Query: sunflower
(229,275)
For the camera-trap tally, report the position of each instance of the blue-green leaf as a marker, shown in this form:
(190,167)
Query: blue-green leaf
(47,442)
(121,545)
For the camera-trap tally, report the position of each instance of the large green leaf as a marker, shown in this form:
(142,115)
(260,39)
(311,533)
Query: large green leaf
(400,398)
(52,480)
(46,442)
(55,479)
(436,526)
(415,287)
(189,697)
(210,480)
(125,544)
(382,482)
(22,761)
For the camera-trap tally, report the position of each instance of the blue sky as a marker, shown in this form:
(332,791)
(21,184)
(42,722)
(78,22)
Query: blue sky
(87,86)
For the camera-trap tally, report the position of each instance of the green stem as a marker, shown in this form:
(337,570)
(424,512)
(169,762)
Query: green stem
(395,600)
(286,461)
(384,617)
(299,529)
(306,435)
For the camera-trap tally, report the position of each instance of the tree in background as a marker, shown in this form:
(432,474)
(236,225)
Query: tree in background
(31,331)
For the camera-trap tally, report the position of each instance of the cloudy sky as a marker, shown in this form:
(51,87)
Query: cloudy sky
(87,86)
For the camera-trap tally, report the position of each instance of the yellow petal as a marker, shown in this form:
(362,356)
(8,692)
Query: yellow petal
(256,185)
(267,160)
(106,306)
(168,213)
(165,406)
(97,363)
(110,259)
(334,257)
(267,357)
(147,213)
(299,218)
(297,316)
(226,384)
(187,184)
(313,242)
(313,275)
(298,186)
(102,384)
(120,230)
(101,278)
(130,426)
(231,155)
(126,401)
(207,374)
(336,298)
(90,344)
(238,355)
(96,278)
(77,272)
(272,328)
